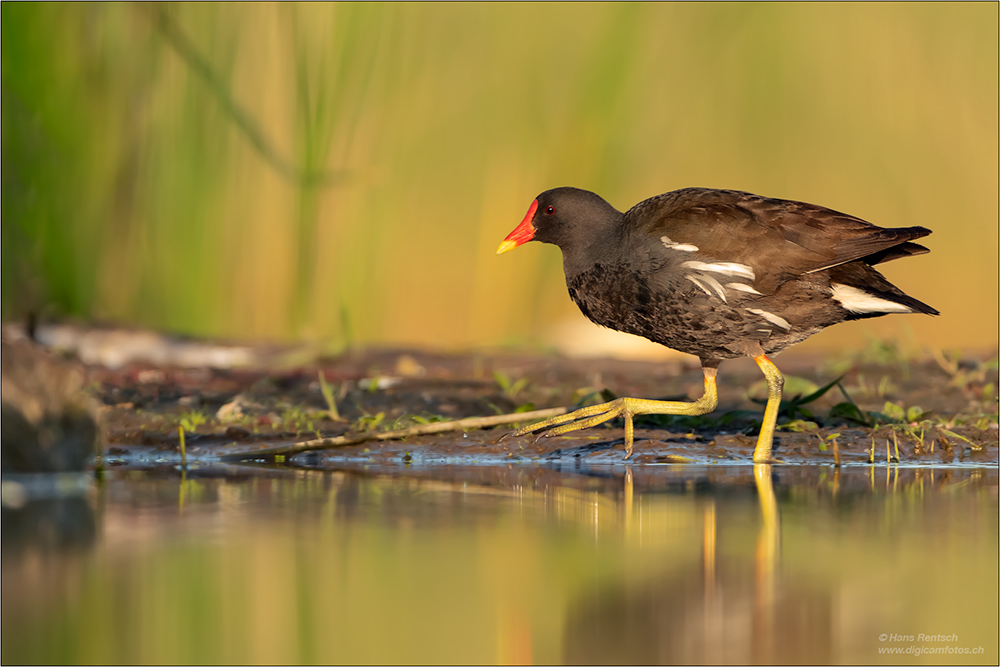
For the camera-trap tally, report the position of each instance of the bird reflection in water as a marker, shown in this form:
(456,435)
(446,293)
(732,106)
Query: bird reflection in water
(730,612)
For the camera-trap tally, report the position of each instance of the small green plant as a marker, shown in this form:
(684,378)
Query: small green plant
(966,373)
(799,426)
(508,388)
(849,411)
(802,426)
(867,388)
(493,406)
(184,461)
(406,421)
(952,434)
(331,402)
(296,419)
(913,422)
(428,419)
(190,421)
(832,439)
(369,422)
(897,413)
(978,381)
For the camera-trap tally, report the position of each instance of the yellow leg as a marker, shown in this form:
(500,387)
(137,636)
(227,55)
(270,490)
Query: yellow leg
(627,408)
(775,382)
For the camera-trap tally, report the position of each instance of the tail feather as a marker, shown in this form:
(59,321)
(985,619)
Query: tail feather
(864,292)
(896,252)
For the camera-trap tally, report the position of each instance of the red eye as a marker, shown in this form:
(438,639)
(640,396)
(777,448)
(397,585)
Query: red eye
(549,210)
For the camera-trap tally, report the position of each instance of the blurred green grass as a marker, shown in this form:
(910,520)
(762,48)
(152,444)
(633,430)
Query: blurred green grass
(343,173)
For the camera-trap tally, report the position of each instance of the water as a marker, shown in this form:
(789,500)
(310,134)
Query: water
(477,565)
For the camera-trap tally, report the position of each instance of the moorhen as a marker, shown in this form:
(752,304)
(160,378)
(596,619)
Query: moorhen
(717,274)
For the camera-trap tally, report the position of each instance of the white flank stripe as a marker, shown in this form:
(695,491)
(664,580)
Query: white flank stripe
(686,247)
(742,288)
(698,283)
(714,284)
(725,268)
(771,317)
(859,301)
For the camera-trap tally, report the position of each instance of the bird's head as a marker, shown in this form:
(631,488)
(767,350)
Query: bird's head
(567,217)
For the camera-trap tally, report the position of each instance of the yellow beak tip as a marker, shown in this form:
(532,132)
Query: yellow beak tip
(505,246)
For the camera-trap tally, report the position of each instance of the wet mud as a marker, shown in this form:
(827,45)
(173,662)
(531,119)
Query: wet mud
(920,412)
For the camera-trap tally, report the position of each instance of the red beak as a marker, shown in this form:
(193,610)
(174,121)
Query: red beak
(523,233)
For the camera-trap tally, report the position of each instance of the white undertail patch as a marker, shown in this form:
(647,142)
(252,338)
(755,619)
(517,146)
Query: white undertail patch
(859,301)
(673,245)
(725,268)
(771,317)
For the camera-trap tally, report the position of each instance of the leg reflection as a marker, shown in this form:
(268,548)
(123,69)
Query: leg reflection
(765,556)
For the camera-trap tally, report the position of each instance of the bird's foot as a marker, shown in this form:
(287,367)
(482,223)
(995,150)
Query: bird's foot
(573,421)
(764,451)
(580,419)
(620,407)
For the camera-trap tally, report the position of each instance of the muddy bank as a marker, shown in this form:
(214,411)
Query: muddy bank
(931,410)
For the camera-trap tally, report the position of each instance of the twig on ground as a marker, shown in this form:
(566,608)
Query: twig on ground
(422,429)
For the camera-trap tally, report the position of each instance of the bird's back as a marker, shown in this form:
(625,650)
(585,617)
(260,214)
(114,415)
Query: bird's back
(712,272)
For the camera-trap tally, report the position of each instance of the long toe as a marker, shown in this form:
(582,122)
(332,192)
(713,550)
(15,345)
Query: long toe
(573,421)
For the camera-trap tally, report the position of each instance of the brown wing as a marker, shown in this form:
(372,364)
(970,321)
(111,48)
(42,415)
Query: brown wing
(778,239)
